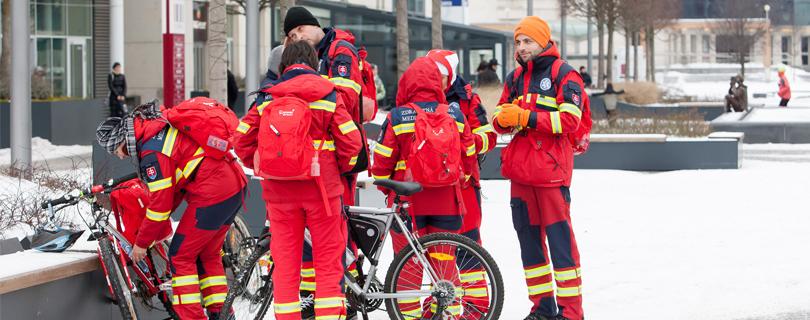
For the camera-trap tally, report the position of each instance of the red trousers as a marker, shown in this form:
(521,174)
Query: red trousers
(471,273)
(287,223)
(196,260)
(540,215)
(307,267)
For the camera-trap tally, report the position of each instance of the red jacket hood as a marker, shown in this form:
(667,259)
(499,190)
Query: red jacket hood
(344,35)
(303,82)
(421,82)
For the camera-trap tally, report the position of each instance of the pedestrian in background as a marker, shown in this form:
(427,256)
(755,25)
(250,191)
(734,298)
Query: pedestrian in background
(784,87)
(117,84)
(488,77)
(586,77)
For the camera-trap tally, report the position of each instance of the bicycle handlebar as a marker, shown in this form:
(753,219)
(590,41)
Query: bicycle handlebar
(102,188)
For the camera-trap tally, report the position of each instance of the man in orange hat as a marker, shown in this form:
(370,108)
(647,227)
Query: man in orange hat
(545,106)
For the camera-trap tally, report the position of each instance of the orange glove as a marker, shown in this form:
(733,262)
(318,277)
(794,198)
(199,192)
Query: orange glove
(513,116)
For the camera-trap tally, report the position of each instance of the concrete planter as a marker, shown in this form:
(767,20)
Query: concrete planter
(69,122)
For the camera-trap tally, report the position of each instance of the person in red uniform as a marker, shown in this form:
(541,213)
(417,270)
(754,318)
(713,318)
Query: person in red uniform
(784,87)
(541,105)
(340,63)
(460,92)
(436,209)
(297,204)
(175,168)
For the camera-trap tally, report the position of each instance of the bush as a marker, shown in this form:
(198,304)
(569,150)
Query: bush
(687,124)
(639,92)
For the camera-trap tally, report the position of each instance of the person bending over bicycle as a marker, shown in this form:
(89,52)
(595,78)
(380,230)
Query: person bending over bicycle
(427,141)
(175,167)
(300,139)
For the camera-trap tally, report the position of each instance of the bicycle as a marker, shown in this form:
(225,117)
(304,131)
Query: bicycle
(152,275)
(433,258)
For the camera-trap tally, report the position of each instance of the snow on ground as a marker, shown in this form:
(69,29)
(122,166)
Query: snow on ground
(45,154)
(776,114)
(712,85)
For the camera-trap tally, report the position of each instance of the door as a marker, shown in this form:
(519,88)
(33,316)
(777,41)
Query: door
(77,66)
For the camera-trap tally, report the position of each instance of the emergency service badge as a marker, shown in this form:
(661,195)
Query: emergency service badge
(343,70)
(545,84)
(575,99)
(151,172)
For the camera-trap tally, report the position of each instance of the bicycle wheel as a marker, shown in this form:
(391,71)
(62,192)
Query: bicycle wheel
(238,245)
(115,278)
(252,292)
(467,278)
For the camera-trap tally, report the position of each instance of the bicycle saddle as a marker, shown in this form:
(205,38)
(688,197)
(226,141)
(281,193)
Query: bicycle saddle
(399,187)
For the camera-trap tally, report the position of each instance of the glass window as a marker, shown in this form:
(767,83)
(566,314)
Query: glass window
(50,17)
(785,49)
(417,7)
(58,67)
(323,15)
(707,43)
(79,17)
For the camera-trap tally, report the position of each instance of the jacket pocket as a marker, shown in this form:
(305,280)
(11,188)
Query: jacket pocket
(520,214)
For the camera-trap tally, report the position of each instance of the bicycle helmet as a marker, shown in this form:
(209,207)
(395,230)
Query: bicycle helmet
(54,240)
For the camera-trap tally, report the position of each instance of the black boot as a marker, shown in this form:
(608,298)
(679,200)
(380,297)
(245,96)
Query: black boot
(307,305)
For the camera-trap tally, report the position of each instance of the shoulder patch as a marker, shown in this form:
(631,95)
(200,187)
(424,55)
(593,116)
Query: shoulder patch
(150,168)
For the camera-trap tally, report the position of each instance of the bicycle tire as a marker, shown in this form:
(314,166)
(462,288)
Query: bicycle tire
(261,297)
(493,273)
(238,245)
(115,277)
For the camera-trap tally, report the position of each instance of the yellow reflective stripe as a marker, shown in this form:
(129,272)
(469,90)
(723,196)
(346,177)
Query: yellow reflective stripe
(354,273)
(408,300)
(567,274)
(160,184)
(168,143)
(285,308)
(213,281)
(467,177)
(556,124)
(569,291)
(157,216)
(460,126)
(412,313)
(472,276)
(541,100)
(383,150)
(184,281)
(403,128)
(186,298)
(353,161)
(307,286)
(327,145)
(476,292)
(214,298)
(261,107)
(537,272)
(570,108)
(347,83)
(483,129)
(242,127)
(380,177)
(497,111)
(400,165)
(540,289)
(329,317)
(178,174)
(190,166)
(454,309)
(323,303)
(324,105)
(484,142)
(199,151)
(347,127)
(471,150)
(441,256)
(308,273)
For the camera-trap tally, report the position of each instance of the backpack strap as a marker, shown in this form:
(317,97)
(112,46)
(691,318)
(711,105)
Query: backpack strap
(559,69)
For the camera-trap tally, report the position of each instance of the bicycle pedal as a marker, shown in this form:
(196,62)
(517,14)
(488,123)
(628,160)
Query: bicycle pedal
(165,286)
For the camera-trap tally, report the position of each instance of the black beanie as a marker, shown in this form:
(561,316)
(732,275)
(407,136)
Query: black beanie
(298,16)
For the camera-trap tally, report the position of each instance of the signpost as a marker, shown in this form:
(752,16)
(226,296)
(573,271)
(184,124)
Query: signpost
(174,64)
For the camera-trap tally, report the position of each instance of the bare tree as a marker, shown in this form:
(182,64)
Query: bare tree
(436,25)
(403,50)
(5,55)
(594,9)
(242,4)
(631,19)
(217,58)
(743,29)
(657,16)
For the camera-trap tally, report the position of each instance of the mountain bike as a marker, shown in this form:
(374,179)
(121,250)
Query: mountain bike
(152,276)
(423,281)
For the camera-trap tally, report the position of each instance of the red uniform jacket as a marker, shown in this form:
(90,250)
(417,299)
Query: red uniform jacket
(175,168)
(420,84)
(542,154)
(784,87)
(470,104)
(343,140)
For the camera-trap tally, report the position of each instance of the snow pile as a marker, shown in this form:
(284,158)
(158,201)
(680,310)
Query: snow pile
(45,154)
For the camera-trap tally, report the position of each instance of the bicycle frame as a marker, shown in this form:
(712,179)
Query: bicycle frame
(391,216)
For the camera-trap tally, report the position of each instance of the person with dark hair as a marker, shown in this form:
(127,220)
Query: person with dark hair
(488,77)
(313,202)
(586,77)
(117,84)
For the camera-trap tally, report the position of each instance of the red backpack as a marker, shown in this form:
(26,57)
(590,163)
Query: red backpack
(286,150)
(129,201)
(206,121)
(435,156)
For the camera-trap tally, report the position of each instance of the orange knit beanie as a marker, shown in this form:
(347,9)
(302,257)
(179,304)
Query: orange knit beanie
(534,28)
